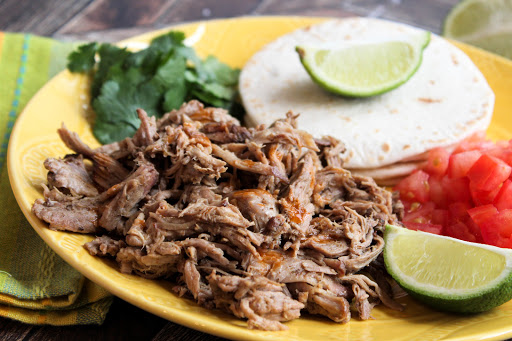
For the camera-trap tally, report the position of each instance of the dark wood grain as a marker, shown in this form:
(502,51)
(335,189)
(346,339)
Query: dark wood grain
(175,332)
(11,330)
(206,9)
(104,14)
(331,8)
(42,17)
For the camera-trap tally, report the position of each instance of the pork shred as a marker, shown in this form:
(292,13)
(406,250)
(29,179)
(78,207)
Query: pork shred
(263,222)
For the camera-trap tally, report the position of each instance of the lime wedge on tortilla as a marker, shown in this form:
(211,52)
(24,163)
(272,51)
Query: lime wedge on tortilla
(446,273)
(364,69)
(483,23)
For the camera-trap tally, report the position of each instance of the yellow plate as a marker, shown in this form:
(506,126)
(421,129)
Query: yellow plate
(65,99)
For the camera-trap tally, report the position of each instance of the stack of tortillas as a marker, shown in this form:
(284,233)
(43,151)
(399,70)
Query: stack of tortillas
(386,136)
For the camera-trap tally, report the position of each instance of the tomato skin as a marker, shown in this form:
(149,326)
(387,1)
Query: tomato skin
(420,213)
(437,162)
(498,229)
(480,214)
(426,227)
(415,187)
(475,230)
(440,217)
(488,172)
(457,190)
(437,192)
(461,163)
(459,211)
(475,141)
(460,230)
(483,197)
(504,154)
(503,199)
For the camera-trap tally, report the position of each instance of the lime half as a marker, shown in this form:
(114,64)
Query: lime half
(364,69)
(446,273)
(483,23)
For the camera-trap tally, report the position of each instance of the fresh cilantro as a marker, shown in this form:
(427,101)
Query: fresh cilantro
(82,60)
(157,79)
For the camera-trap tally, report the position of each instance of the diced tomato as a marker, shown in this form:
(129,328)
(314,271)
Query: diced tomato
(474,230)
(430,228)
(488,172)
(504,154)
(481,214)
(420,213)
(503,199)
(457,190)
(437,192)
(466,196)
(459,211)
(460,230)
(415,187)
(476,141)
(440,217)
(484,197)
(498,229)
(461,163)
(437,162)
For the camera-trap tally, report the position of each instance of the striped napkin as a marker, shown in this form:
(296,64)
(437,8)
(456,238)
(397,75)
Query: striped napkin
(36,285)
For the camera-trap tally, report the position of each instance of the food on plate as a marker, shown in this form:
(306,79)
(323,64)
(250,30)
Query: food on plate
(445,101)
(260,222)
(364,69)
(159,78)
(483,23)
(447,273)
(465,193)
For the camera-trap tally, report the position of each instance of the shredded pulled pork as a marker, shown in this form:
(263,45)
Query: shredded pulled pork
(260,222)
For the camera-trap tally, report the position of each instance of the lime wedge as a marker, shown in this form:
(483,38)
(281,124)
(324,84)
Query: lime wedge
(483,23)
(364,69)
(446,273)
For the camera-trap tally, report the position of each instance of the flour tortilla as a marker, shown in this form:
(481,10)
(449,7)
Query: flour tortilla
(446,100)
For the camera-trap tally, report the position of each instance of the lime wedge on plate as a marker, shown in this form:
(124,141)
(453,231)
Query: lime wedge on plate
(483,23)
(446,273)
(364,69)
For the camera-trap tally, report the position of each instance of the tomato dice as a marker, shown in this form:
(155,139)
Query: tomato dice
(459,210)
(437,192)
(461,163)
(475,230)
(498,230)
(503,199)
(437,162)
(440,217)
(420,213)
(465,195)
(484,197)
(415,187)
(488,172)
(481,214)
(457,190)
(460,230)
(477,141)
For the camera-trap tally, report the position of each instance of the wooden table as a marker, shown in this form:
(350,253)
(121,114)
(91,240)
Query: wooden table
(106,20)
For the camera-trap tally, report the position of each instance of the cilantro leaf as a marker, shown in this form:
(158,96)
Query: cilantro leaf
(220,72)
(82,60)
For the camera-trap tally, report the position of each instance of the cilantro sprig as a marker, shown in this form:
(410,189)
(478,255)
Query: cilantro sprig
(157,79)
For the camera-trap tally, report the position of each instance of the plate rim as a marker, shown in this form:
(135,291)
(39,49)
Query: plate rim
(184,317)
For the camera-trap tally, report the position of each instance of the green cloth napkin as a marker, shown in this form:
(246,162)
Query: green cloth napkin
(36,285)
